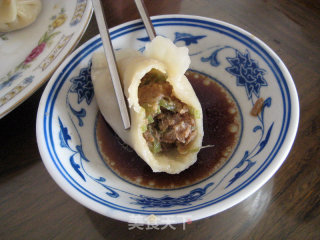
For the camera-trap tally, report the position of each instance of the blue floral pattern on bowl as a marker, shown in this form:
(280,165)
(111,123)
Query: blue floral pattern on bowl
(249,72)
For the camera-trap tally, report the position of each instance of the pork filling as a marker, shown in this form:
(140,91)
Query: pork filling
(171,125)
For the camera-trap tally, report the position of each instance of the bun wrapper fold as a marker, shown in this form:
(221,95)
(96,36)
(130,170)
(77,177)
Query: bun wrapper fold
(161,55)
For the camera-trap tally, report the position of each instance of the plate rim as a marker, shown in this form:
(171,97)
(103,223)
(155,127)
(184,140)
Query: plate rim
(13,104)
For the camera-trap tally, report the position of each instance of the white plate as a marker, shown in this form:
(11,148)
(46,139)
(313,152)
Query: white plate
(245,66)
(29,56)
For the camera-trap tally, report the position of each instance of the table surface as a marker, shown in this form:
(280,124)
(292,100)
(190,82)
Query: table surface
(32,206)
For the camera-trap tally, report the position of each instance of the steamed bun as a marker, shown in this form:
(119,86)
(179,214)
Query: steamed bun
(17,14)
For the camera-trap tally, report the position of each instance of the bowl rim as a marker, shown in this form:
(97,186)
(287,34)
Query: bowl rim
(212,209)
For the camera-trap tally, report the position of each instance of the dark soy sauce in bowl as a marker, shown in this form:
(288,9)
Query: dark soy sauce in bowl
(222,127)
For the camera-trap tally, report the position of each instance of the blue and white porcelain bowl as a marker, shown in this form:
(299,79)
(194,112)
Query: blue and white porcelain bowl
(246,67)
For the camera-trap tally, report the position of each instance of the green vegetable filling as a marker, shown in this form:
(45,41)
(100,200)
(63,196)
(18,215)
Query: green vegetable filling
(167,105)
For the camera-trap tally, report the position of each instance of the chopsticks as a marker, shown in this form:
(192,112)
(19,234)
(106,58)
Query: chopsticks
(108,50)
(145,18)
